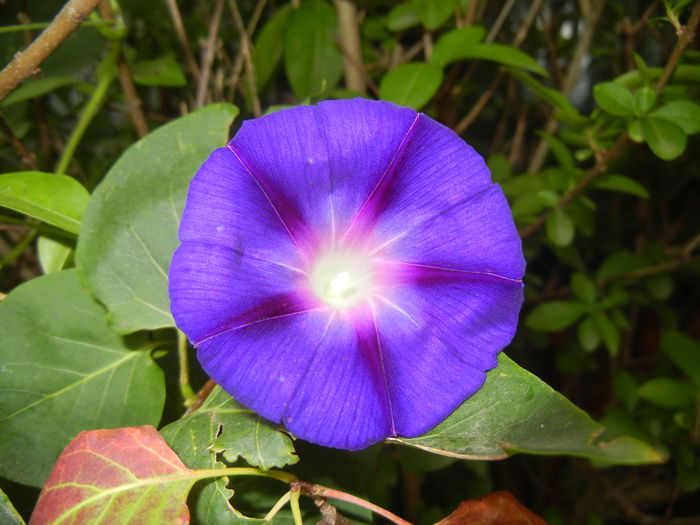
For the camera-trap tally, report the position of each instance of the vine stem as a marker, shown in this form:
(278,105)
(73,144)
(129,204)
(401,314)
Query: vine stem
(183,362)
(26,63)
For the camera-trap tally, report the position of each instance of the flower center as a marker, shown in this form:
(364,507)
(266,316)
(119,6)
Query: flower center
(342,279)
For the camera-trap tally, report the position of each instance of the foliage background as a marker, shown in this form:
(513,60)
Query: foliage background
(602,177)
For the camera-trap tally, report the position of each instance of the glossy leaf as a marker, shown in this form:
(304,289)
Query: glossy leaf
(411,85)
(614,98)
(684,352)
(311,57)
(130,226)
(268,47)
(433,13)
(665,138)
(516,412)
(8,513)
(499,53)
(448,46)
(684,113)
(554,315)
(621,184)
(497,508)
(559,228)
(113,476)
(64,371)
(59,200)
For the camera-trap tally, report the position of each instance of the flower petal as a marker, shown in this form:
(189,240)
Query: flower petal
(476,234)
(309,371)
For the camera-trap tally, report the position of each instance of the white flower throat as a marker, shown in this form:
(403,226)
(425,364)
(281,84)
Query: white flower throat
(342,279)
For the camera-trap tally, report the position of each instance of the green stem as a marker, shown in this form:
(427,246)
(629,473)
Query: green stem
(279,475)
(278,506)
(294,504)
(17,250)
(108,72)
(183,359)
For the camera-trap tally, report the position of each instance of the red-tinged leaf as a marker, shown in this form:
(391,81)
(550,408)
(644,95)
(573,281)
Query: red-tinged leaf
(497,508)
(116,476)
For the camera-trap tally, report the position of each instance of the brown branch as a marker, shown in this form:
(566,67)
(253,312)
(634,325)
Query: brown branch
(182,37)
(238,63)
(27,63)
(350,45)
(133,102)
(208,55)
(246,51)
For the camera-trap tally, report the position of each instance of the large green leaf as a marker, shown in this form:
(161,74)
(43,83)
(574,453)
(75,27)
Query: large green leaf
(411,85)
(221,425)
(64,370)
(516,412)
(684,113)
(130,227)
(500,53)
(312,60)
(615,99)
(59,200)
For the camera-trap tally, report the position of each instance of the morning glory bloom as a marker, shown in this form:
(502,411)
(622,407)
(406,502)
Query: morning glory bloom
(347,269)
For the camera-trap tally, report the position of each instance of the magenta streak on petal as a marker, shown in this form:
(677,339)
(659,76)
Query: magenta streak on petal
(377,199)
(397,273)
(299,232)
(282,305)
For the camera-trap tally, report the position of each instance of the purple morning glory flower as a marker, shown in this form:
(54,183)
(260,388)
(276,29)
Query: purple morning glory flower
(347,269)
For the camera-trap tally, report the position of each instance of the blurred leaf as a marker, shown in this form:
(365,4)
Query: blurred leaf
(402,16)
(554,315)
(8,513)
(516,412)
(683,113)
(659,286)
(502,54)
(614,98)
(59,200)
(684,352)
(448,46)
(665,138)
(111,476)
(36,88)
(588,334)
(622,184)
(269,45)
(163,71)
(634,130)
(311,57)
(608,332)
(583,287)
(559,149)
(620,263)
(497,508)
(433,13)
(666,392)
(52,253)
(130,227)
(549,95)
(644,100)
(626,389)
(411,85)
(65,371)
(559,228)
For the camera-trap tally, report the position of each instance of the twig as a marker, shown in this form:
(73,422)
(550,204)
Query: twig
(247,58)
(202,396)
(27,63)
(208,55)
(133,102)
(238,63)
(685,36)
(496,27)
(313,489)
(182,37)
(350,45)
(26,157)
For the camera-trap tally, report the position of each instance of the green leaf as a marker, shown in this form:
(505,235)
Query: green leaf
(634,130)
(684,352)
(59,200)
(583,287)
(626,389)
(608,332)
(433,13)
(666,139)
(411,85)
(555,315)
(268,47)
(644,100)
(559,149)
(8,513)
(516,412)
(223,425)
(130,227)
(667,393)
(659,286)
(549,95)
(53,253)
(311,58)
(588,334)
(36,88)
(620,263)
(448,46)
(559,228)
(614,98)
(622,184)
(163,71)
(65,371)
(684,113)
(402,16)
(502,54)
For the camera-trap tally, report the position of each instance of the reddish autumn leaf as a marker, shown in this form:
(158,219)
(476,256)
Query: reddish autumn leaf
(124,475)
(497,508)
